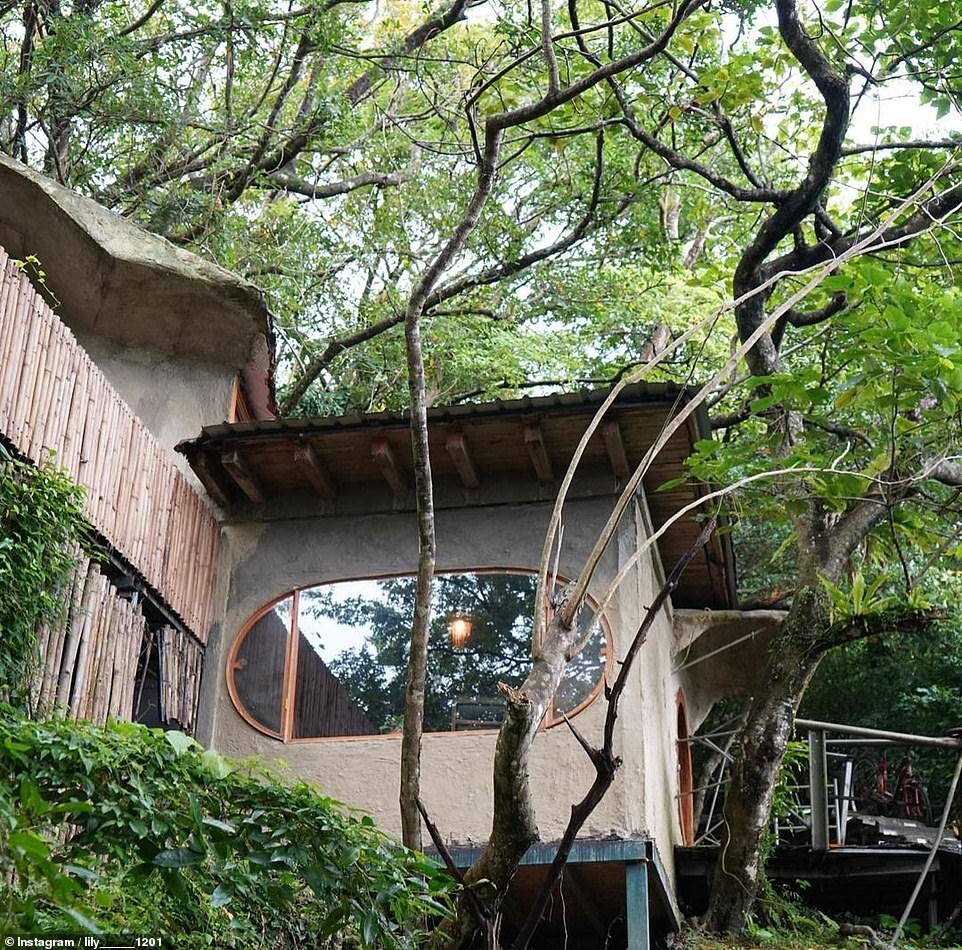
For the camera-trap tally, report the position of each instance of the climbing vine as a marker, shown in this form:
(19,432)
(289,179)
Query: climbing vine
(42,529)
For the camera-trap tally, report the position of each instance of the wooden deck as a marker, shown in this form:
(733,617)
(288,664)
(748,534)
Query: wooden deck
(53,399)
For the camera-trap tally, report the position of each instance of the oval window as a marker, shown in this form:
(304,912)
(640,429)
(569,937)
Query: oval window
(331,660)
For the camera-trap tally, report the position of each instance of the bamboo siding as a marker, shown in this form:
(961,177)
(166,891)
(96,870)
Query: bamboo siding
(53,398)
(181,662)
(92,654)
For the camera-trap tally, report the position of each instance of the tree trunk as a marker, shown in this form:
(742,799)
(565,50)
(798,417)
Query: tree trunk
(793,658)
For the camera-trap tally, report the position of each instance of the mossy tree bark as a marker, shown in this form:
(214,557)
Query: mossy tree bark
(762,743)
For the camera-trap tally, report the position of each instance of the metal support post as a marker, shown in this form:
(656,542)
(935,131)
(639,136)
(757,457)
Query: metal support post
(818,789)
(636,909)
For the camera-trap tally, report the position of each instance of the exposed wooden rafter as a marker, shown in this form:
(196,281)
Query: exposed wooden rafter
(384,459)
(611,432)
(457,447)
(248,482)
(316,474)
(211,479)
(534,442)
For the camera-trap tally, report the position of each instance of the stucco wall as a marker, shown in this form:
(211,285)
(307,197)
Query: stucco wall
(266,559)
(648,716)
(721,653)
(173,396)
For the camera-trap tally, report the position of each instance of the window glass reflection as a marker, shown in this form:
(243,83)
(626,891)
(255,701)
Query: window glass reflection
(259,666)
(352,647)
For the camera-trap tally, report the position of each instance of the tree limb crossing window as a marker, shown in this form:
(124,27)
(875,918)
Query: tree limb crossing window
(329,661)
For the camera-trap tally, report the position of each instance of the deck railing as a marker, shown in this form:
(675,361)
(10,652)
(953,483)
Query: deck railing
(53,398)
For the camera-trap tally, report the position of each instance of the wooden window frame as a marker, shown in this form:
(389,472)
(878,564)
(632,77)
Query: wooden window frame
(288,691)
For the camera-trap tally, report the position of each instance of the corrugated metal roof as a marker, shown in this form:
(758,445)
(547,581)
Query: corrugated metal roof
(634,394)
(263,460)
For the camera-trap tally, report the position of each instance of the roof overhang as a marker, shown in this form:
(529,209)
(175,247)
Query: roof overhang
(109,277)
(476,449)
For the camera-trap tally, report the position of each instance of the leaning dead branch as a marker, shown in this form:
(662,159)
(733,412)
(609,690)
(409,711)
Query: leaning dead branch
(493,129)
(873,241)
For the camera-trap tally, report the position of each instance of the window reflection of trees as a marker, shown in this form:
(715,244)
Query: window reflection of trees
(359,690)
(461,683)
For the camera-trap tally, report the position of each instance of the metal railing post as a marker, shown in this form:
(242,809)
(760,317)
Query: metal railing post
(818,789)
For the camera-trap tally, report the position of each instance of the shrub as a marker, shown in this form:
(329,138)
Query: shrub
(129,829)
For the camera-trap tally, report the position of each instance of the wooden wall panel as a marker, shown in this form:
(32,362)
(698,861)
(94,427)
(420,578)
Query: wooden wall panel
(91,655)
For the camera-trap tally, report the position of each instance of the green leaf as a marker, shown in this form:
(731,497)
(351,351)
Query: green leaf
(29,845)
(672,483)
(178,858)
(180,741)
(216,764)
(82,919)
(223,894)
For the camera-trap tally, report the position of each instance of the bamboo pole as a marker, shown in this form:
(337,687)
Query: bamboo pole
(52,415)
(124,473)
(136,646)
(21,328)
(24,375)
(76,635)
(99,420)
(88,442)
(43,391)
(9,295)
(89,681)
(121,643)
(55,650)
(72,435)
(34,388)
(97,649)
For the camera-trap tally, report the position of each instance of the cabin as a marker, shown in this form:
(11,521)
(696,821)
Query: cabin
(259,570)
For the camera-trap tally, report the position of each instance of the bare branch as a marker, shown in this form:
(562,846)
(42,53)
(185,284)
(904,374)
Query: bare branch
(911,144)
(944,470)
(142,19)
(301,186)
(605,761)
(510,268)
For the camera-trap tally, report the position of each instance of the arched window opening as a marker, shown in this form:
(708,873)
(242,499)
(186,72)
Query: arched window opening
(330,661)
(686,790)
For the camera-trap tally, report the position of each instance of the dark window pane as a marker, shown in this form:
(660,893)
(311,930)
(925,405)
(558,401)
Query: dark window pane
(259,673)
(322,706)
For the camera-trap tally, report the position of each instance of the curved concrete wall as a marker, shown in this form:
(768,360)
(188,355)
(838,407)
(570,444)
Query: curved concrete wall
(265,559)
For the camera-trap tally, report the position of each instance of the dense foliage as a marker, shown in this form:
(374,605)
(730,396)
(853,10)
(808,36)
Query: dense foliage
(42,527)
(125,828)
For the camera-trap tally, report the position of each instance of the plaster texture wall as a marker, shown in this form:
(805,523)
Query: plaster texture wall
(171,395)
(269,558)
(648,719)
(713,663)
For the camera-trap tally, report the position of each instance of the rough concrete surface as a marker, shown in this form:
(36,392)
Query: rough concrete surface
(110,277)
(169,394)
(731,671)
